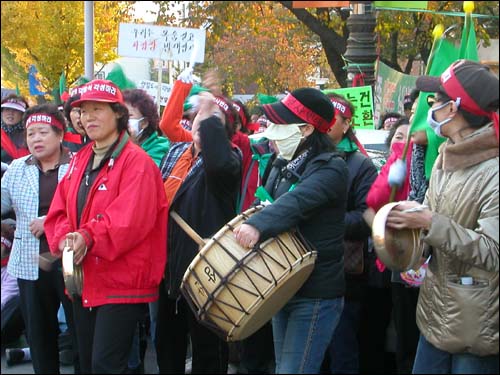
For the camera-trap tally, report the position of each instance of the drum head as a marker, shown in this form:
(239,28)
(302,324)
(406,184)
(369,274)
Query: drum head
(400,249)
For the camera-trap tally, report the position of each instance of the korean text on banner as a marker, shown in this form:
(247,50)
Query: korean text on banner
(361,98)
(390,89)
(161,42)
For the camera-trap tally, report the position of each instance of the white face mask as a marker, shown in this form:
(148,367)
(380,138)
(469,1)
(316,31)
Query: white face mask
(435,125)
(287,147)
(134,126)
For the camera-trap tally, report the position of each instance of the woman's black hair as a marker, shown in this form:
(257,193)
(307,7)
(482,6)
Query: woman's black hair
(318,143)
(402,121)
(67,107)
(385,116)
(123,119)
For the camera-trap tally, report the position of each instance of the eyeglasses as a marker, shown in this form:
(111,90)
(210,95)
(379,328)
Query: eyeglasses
(431,100)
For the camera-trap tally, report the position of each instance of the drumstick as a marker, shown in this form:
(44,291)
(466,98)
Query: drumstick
(195,236)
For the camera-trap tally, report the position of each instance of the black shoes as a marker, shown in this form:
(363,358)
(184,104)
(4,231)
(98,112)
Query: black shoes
(14,356)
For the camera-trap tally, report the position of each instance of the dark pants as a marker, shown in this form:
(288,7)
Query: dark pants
(104,335)
(257,351)
(405,300)
(40,301)
(343,352)
(174,323)
(12,321)
(376,310)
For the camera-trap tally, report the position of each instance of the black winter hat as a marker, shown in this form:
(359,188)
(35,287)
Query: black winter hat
(304,105)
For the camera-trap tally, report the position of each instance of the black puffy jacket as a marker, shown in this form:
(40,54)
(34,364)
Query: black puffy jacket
(316,207)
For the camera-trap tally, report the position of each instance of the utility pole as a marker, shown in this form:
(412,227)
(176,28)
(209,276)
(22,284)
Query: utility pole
(89,39)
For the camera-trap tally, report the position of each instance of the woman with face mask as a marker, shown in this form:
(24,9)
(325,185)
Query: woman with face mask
(307,185)
(143,124)
(457,311)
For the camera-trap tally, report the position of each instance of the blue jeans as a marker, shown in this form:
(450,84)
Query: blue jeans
(302,331)
(431,360)
(344,347)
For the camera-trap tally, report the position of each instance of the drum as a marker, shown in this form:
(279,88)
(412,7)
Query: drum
(233,290)
(400,250)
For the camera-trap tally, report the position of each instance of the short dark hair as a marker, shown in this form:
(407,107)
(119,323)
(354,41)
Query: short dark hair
(386,115)
(123,119)
(68,108)
(144,102)
(402,121)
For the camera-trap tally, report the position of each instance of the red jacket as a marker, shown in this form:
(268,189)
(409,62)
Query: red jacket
(380,190)
(124,222)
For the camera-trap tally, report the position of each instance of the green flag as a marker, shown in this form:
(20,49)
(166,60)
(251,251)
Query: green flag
(18,92)
(62,83)
(468,45)
(266,99)
(443,55)
(118,77)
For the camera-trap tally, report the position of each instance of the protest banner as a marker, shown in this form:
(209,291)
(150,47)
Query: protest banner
(161,42)
(362,99)
(151,87)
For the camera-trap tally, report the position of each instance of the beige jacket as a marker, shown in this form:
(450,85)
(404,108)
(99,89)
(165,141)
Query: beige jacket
(463,194)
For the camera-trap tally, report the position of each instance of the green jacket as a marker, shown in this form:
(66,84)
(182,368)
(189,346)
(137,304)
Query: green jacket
(156,147)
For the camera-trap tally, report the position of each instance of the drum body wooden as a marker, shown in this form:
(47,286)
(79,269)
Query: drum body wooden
(234,290)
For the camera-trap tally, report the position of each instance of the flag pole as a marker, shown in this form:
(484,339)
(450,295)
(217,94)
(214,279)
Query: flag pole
(437,33)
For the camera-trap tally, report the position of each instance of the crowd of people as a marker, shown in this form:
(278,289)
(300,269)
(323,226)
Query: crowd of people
(92,195)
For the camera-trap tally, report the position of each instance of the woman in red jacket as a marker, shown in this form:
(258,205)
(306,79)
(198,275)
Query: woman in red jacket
(112,207)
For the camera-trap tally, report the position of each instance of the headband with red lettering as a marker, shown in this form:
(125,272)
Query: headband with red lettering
(341,107)
(454,89)
(43,118)
(220,101)
(301,111)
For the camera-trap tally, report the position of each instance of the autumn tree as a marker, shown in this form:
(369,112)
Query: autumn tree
(257,45)
(241,27)
(50,35)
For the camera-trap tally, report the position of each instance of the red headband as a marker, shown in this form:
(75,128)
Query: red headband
(301,111)
(453,88)
(6,243)
(225,108)
(38,118)
(341,107)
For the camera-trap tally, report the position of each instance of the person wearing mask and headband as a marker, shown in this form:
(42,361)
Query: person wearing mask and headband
(307,188)
(457,310)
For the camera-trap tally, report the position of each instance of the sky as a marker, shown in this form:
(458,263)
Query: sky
(142,8)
